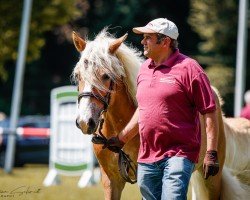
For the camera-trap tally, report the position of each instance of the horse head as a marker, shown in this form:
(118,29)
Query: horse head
(97,73)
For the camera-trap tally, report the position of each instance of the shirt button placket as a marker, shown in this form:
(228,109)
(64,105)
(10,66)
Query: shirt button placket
(153,78)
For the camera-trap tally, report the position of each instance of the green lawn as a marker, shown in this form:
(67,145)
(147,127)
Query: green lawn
(30,178)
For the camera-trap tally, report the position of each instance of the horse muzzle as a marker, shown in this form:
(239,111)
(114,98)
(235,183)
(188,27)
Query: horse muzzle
(86,128)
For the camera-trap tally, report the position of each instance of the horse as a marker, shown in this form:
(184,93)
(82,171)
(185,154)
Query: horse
(226,184)
(237,157)
(102,62)
(106,77)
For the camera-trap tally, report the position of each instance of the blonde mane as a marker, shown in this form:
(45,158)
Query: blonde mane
(95,59)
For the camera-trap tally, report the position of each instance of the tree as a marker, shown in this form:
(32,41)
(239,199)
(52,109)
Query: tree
(51,53)
(46,15)
(216,23)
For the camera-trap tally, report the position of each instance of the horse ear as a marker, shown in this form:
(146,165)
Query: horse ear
(79,43)
(116,43)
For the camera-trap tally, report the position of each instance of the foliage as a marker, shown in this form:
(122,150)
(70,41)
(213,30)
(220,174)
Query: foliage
(223,79)
(216,22)
(51,53)
(46,15)
(122,15)
(50,38)
(225,85)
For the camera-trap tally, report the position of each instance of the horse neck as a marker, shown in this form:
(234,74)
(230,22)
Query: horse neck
(120,111)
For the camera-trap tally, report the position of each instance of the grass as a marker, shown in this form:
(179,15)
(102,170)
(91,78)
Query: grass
(30,178)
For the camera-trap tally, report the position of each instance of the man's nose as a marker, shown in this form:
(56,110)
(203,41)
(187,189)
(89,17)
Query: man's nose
(142,42)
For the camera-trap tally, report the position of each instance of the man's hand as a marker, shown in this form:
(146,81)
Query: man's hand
(114,144)
(211,164)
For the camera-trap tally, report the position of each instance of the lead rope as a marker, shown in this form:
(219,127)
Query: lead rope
(125,164)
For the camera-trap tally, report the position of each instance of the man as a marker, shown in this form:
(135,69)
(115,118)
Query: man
(245,112)
(172,90)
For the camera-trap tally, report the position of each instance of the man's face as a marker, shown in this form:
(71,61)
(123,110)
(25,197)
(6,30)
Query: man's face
(151,48)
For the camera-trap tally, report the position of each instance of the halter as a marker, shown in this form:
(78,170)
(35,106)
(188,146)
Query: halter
(124,161)
(105,100)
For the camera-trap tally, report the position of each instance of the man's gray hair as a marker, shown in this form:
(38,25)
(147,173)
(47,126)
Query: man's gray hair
(173,44)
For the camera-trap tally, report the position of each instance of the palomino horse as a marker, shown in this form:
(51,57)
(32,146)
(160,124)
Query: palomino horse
(232,139)
(237,132)
(106,75)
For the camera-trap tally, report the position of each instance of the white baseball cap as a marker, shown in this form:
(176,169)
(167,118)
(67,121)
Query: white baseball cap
(160,25)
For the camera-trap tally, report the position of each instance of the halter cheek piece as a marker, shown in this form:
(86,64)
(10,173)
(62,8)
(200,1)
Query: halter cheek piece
(124,161)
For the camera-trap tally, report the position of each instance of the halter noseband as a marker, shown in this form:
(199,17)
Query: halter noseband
(105,100)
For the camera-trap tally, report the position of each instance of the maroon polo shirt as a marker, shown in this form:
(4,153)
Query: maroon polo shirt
(245,112)
(170,97)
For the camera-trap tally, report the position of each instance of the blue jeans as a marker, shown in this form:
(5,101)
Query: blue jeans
(166,179)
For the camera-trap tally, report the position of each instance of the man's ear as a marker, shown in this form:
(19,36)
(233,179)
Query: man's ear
(167,41)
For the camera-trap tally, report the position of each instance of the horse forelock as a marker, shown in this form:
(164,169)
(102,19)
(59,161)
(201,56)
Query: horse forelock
(96,59)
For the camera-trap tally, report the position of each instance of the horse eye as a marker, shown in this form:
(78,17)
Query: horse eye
(105,77)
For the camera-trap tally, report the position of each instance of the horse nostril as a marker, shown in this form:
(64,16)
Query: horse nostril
(77,124)
(91,123)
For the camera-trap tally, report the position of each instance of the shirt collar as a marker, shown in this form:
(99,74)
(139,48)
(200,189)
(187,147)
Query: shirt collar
(171,59)
(169,62)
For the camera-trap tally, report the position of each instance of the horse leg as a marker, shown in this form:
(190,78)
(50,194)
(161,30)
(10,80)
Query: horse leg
(113,186)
